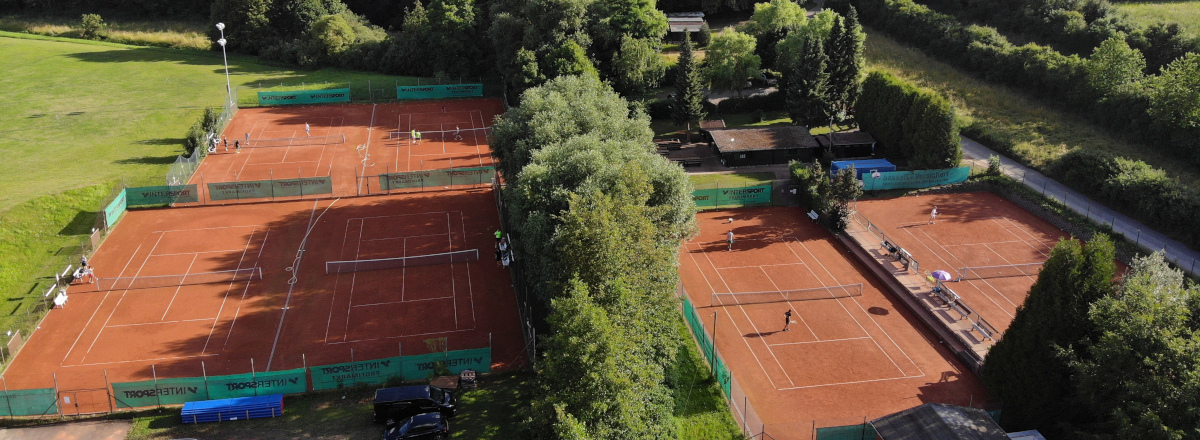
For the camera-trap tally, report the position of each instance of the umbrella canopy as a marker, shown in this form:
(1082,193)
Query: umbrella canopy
(942,275)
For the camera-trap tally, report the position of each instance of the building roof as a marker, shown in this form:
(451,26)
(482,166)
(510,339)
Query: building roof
(671,15)
(685,25)
(847,138)
(758,139)
(938,421)
(1026,435)
(716,123)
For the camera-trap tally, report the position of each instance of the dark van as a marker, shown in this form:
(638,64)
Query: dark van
(400,403)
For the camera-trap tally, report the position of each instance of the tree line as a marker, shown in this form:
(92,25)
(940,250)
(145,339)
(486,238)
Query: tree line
(597,217)
(1090,357)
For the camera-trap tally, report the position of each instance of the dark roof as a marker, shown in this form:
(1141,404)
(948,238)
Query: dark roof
(767,138)
(671,15)
(847,138)
(717,123)
(938,421)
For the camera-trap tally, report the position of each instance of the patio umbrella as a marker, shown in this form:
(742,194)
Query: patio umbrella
(942,275)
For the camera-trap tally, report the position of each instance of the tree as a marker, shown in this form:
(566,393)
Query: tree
(730,61)
(844,189)
(1028,369)
(770,23)
(704,36)
(688,104)
(616,20)
(1114,65)
(1142,374)
(247,26)
(1175,93)
(291,19)
(846,63)
(333,35)
(637,67)
(569,59)
(806,99)
(92,27)
(932,132)
(790,49)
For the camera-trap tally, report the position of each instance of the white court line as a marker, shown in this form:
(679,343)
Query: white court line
(179,287)
(404,336)
(161,322)
(990,242)
(735,325)
(453,286)
(287,301)
(850,383)
(962,263)
(402,301)
(856,321)
(765,265)
(362,225)
(752,324)
(798,315)
(98,306)
(118,305)
(404,237)
(336,279)
(820,341)
(141,360)
(197,252)
(404,215)
(470,287)
(205,229)
(238,310)
(1035,239)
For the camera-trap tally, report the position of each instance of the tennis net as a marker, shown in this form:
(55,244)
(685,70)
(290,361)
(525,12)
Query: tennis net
(1006,270)
(399,262)
(442,135)
(830,292)
(146,282)
(295,141)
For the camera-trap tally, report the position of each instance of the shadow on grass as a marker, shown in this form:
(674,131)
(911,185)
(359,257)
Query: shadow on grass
(162,141)
(151,160)
(80,224)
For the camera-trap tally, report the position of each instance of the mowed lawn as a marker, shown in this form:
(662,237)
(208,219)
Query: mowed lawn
(82,116)
(1039,134)
(1185,13)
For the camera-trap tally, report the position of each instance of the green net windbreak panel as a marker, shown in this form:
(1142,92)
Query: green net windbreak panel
(439,91)
(422,366)
(114,210)
(443,177)
(740,196)
(853,432)
(720,371)
(257,384)
(267,189)
(304,97)
(373,372)
(33,402)
(161,392)
(161,195)
(915,179)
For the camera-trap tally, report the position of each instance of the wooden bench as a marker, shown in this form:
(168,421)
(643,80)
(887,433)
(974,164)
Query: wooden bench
(691,162)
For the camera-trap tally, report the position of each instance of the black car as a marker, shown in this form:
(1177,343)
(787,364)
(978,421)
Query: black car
(424,426)
(395,404)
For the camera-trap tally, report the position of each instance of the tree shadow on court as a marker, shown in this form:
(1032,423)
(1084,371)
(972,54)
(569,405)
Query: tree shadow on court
(955,388)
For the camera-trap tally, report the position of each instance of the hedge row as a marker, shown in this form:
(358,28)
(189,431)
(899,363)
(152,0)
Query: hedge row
(661,108)
(915,126)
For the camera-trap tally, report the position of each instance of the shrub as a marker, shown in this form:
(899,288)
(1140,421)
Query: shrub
(704,36)
(993,168)
(92,27)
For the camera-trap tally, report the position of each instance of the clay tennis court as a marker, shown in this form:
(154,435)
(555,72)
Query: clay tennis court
(844,357)
(296,314)
(346,141)
(971,230)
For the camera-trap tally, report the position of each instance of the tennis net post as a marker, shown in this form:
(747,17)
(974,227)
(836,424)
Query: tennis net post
(999,271)
(146,282)
(828,292)
(399,262)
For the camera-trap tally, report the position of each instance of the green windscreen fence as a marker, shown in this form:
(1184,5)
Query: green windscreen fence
(161,195)
(442,177)
(373,372)
(853,432)
(720,371)
(915,179)
(439,91)
(257,384)
(734,196)
(34,402)
(422,366)
(160,392)
(304,97)
(269,189)
(115,210)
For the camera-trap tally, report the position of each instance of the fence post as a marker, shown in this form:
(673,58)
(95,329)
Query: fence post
(108,389)
(8,400)
(712,357)
(1138,240)
(154,372)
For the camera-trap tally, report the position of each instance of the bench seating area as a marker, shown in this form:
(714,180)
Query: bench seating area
(233,409)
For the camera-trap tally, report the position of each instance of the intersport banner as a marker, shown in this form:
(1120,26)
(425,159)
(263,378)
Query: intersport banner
(440,177)
(304,97)
(162,392)
(422,366)
(373,372)
(740,196)
(161,195)
(439,91)
(266,189)
(915,179)
(257,384)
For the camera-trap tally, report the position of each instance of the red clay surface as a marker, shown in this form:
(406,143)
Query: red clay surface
(364,125)
(842,359)
(329,317)
(972,229)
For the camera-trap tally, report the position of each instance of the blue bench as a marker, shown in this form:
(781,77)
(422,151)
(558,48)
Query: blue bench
(233,409)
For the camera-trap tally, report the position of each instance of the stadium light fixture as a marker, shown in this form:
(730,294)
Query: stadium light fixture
(225,58)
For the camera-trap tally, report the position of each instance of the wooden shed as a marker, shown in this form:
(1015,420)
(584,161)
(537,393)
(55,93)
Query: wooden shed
(741,147)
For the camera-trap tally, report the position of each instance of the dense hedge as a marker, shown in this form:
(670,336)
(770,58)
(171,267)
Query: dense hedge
(914,126)
(661,108)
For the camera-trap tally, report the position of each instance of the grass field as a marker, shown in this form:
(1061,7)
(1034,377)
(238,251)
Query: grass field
(160,33)
(731,179)
(1037,135)
(1186,13)
(82,117)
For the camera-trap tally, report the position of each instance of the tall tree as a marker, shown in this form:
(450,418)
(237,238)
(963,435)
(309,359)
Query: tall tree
(614,21)
(1175,93)
(688,105)
(843,189)
(770,23)
(1114,65)
(248,26)
(730,60)
(1028,368)
(1142,374)
(807,88)
(790,50)
(637,67)
(845,63)
(931,132)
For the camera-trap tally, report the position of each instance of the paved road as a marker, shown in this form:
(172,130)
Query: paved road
(106,430)
(976,154)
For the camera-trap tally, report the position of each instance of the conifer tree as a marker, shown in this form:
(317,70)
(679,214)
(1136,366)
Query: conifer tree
(688,106)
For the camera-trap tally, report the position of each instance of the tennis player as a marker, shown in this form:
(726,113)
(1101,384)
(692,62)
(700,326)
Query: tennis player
(457,136)
(729,237)
(787,319)
(413,136)
(933,215)
(307,130)
(91,276)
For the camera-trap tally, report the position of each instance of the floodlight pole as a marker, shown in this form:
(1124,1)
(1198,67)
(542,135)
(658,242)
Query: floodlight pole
(225,59)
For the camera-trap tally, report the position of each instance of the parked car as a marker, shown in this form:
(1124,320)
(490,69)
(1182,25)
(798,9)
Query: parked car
(395,404)
(424,426)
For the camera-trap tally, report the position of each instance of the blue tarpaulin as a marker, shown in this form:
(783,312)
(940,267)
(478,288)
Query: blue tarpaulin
(862,166)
